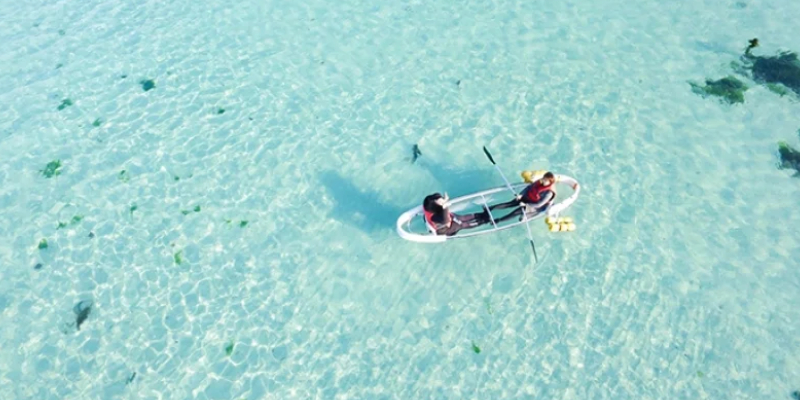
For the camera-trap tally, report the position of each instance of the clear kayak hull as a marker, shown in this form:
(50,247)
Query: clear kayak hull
(411,224)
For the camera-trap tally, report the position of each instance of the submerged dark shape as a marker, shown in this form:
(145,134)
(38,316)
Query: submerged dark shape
(796,395)
(64,104)
(147,84)
(729,88)
(783,68)
(789,157)
(82,311)
(751,44)
(416,153)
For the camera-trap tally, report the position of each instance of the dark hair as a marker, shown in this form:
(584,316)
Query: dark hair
(549,175)
(429,204)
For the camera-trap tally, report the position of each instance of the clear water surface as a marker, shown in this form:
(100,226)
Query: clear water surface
(231,229)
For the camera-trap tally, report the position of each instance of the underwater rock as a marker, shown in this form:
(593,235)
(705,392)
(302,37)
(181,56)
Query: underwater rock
(729,88)
(783,68)
(789,157)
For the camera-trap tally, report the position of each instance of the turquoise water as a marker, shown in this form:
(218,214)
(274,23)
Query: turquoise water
(681,281)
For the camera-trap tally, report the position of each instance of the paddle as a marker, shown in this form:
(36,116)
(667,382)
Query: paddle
(524,215)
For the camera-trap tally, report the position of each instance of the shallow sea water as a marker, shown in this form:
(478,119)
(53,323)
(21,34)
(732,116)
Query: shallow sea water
(290,126)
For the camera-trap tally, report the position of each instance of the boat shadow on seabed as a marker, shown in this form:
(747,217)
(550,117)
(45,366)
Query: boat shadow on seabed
(357,207)
(365,210)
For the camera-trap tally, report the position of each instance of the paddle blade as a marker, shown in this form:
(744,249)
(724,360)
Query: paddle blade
(489,155)
(535,257)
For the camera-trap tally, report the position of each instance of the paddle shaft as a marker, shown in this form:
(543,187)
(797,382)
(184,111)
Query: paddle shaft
(524,214)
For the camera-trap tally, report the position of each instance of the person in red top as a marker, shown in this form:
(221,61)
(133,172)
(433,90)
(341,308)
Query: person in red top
(539,195)
(445,222)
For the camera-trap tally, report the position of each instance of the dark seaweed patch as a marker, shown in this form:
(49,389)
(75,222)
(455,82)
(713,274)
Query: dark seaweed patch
(789,157)
(729,89)
(783,68)
(778,89)
(53,168)
(186,212)
(75,219)
(64,104)
(475,348)
(178,257)
(97,122)
(42,244)
(242,223)
(147,84)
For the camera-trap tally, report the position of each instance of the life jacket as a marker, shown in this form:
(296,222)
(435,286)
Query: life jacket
(533,193)
(429,219)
